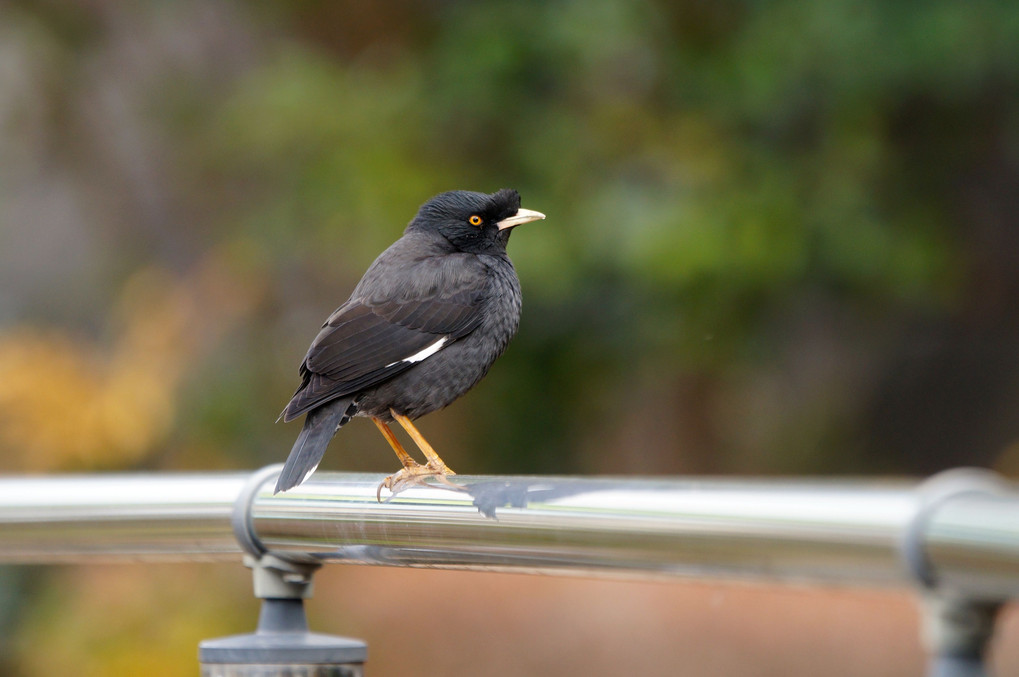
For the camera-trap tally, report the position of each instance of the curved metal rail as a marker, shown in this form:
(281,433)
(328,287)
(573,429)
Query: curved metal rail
(956,535)
(965,539)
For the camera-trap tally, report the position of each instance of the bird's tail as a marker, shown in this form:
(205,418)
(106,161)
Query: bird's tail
(319,426)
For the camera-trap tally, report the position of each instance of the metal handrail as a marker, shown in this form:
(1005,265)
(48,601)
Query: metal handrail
(955,536)
(959,533)
(71,518)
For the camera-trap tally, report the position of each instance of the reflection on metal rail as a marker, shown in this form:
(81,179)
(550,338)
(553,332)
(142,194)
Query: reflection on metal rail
(956,535)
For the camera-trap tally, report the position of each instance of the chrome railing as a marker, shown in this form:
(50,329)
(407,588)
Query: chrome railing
(955,536)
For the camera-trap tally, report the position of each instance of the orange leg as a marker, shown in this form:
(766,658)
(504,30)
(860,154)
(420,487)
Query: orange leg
(401,453)
(412,472)
(434,461)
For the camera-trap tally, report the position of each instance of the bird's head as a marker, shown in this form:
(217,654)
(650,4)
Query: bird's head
(474,222)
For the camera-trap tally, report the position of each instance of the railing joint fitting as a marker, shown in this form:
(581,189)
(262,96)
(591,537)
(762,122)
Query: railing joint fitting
(932,495)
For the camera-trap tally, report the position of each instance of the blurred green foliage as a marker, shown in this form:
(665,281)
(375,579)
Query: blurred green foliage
(722,180)
(781,237)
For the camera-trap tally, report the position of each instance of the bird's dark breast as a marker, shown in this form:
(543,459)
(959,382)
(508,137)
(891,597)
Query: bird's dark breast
(440,379)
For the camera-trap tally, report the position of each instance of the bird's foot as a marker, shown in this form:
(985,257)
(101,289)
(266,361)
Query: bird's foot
(416,475)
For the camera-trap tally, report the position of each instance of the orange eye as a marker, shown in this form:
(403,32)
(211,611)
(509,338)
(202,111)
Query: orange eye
(475,220)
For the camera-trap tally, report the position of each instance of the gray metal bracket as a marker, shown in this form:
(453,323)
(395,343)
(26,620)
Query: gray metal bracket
(281,645)
(957,632)
(956,629)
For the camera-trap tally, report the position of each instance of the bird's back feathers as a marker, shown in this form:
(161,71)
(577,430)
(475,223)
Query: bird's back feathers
(406,305)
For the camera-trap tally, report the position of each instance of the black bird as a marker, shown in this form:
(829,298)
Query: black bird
(422,327)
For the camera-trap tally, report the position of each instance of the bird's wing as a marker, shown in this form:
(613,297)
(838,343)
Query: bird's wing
(368,340)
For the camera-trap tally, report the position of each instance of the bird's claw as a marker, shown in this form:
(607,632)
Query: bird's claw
(416,475)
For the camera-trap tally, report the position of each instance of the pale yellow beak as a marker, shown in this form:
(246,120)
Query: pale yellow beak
(522,216)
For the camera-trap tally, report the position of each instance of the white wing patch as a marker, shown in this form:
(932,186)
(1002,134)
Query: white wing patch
(424,353)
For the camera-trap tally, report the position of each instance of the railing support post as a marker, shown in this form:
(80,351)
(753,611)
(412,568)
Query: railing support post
(282,645)
(956,629)
(957,632)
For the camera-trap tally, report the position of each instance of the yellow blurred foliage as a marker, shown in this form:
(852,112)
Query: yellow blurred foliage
(114,621)
(67,403)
